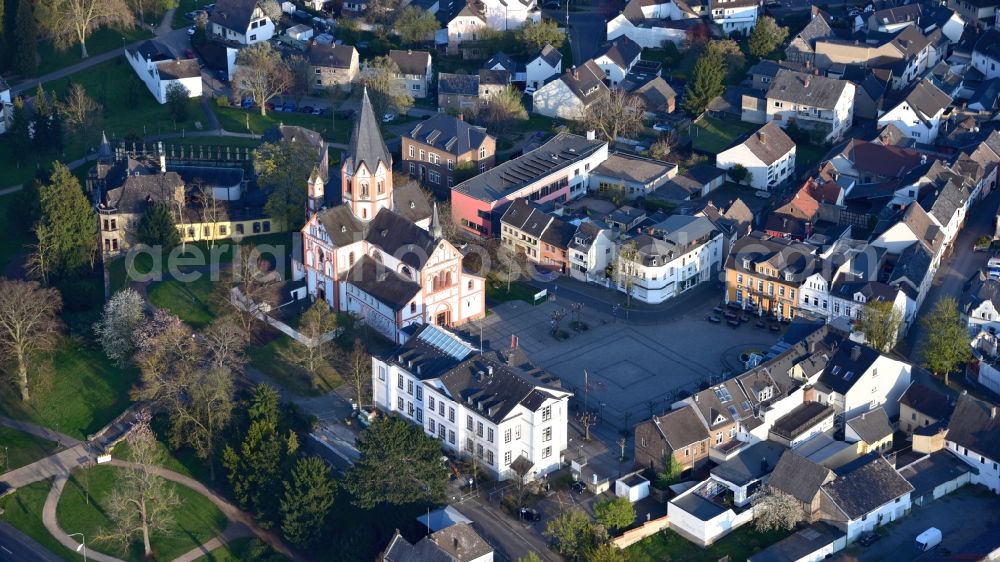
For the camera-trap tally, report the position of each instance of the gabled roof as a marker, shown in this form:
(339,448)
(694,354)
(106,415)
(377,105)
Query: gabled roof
(153,51)
(799,477)
(927,401)
(922,225)
(178,69)
(910,41)
(381,282)
(989,44)
(801,419)
(806,89)
(927,100)
(233,14)
(866,488)
(879,159)
(494,77)
(430,352)
(846,367)
(975,425)
(526,217)
(656,94)
(458,84)
(549,54)
(680,428)
(872,426)
(622,51)
(817,27)
(331,56)
(896,15)
(399,237)
(366,146)
(449,133)
(769,143)
(411,62)
(503,60)
(586,82)
(633,168)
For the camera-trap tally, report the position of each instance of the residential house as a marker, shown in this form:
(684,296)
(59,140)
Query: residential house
(892,19)
(802,47)
(980,306)
(922,406)
(865,498)
(414,71)
(986,54)
(768,155)
(916,243)
(6,106)
(634,176)
(763,73)
(986,351)
(814,103)
(735,16)
(456,543)
(905,55)
(722,409)
(764,274)
(591,251)
(159,70)
(541,237)
(332,66)
(745,473)
(436,146)
(559,171)
(872,163)
(804,422)
(679,433)
(871,430)
(651,23)
(676,255)
(934,475)
(492,82)
(501,61)
(380,253)
(857,379)
(980,13)
(974,437)
(734,222)
(919,114)
(802,479)
(657,97)
(458,92)
(815,542)
(468,25)
(869,97)
(543,66)
(703,513)
(697,181)
(509,15)
(492,406)
(616,58)
(570,95)
(242,21)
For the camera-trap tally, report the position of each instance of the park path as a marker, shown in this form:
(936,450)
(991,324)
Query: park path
(233,532)
(39,431)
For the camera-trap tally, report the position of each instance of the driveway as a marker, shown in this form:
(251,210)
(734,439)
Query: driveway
(951,514)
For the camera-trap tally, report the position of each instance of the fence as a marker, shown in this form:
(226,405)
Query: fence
(203,153)
(649,528)
(239,301)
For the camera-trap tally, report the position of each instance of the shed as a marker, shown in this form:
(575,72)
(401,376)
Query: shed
(632,486)
(300,32)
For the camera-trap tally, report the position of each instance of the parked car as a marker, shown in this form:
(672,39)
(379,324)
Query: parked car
(317,111)
(528,514)
(869,538)
(529,90)
(388,118)
(662,127)
(578,486)
(189,53)
(246,104)
(190,31)
(306,109)
(289,107)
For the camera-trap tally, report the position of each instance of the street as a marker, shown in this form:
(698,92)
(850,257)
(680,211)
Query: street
(16,546)
(587,31)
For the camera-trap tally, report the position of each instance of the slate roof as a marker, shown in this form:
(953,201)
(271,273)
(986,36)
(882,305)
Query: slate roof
(586,82)
(680,428)
(366,145)
(989,44)
(622,51)
(526,217)
(866,488)
(982,288)
(699,507)
(560,152)
(799,477)
(927,99)
(816,28)
(382,283)
(872,426)
(448,133)
(786,256)
(887,161)
(769,143)
(806,89)
(430,352)
(458,84)
(656,94)
(455,543)
(897,14)
(503,60)
(411,202)
(494,77)
(178,69)
(549,54)
(927,401)
(846,366)
(975,424)
(411,62)
(933,470)
(633,168)
(154,51)
(753,463)
(331,56)
(393,234)
(233,14)
(922,225)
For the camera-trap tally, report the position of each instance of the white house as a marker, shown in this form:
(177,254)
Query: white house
(477,404)
(986,349)
(509,15)
(858,378)
(415,71)
(617,58)
(893,19)
(157,67)
(242,21)
(544,65)
(815,103)
(980,305)
(865,498)
(676,255)
(702,515)
(974,436)
(467,25)
(591,250)
(986,54)
(650,23)
(6,107)
(568,96)
(918,115)
(735,15)
(768,155)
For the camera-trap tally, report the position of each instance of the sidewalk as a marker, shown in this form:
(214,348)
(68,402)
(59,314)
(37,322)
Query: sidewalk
(39,431)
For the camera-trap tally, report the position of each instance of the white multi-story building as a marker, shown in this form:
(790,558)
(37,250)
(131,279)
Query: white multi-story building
(158,68)
(480,405)
(919,114)
(544,65)
(815,103)
(591,250)
(768,156)
(735,15)
(974,436)
(680,252)
(865,498)
(858,379)
(242,21)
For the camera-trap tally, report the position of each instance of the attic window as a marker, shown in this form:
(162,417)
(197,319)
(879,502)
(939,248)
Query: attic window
(789,276)
(746,263)
(413,204)
(343,228)
(836,370)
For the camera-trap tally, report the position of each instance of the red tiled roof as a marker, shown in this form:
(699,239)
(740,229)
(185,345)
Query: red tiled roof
(880,159)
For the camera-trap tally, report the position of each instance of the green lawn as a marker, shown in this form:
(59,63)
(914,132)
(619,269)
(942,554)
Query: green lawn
(270,360)
(241,550)
(808,154)
(197,520)
(100,41)
(196,302)
(715,135)
(668,545)
(23,510)
(496,289)
(21,448)
(80,393)
(235,120)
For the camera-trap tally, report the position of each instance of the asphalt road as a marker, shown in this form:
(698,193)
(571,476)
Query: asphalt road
(587,31)
(16,546)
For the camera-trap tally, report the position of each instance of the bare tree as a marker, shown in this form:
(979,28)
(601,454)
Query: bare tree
(628,257)
(272,10)
(225,343)
(258,287)
(142,502)
(587,419)
(503,109)
(68,22)
(315,323)
(618,115)
(302,76)
(261,75)
(385,91)
(621,447)
(360,365)
(78,108)
(29,323)
(212,210)
(774,509)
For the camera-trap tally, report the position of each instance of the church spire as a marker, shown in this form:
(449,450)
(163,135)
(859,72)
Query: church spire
(435,224)
(366,174)
(367,146)
(104,151)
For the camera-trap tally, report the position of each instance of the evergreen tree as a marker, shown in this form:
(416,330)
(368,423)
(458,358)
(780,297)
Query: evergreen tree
(706,81)
(3,35)
(766,36)
(19,130)
(24,47)
(308,498)
(67,227)
(157,228)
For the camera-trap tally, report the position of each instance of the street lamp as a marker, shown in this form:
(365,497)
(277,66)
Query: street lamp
(82,546)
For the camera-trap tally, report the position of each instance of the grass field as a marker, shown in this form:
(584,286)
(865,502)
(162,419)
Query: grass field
(80,393)
(241,550)
(270,359)
(715,135)
(83,508)
(100,41)
(21,448)
(235,120)
(496,290)
(23,510)
(668,545)
(196,302)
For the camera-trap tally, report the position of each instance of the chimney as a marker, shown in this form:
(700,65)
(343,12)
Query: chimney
(806,80)
(455,542)
(489,370)
(762,136)
(856,353)
(591,135)
(575,72)
(808,393)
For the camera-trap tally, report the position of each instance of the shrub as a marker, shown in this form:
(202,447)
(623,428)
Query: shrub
(222,101)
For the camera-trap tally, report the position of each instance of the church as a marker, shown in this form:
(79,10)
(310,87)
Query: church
(379,253)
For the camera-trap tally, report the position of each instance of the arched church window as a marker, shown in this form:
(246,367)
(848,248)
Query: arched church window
(380,187)
(364,189)
(350,259)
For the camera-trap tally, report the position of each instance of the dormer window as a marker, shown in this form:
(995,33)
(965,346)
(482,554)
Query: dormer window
(789,276)
(746,263)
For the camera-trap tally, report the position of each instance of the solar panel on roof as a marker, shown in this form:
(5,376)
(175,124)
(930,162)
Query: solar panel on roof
(444,341)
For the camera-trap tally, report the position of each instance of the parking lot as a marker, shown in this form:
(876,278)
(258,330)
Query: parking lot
(961,516)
